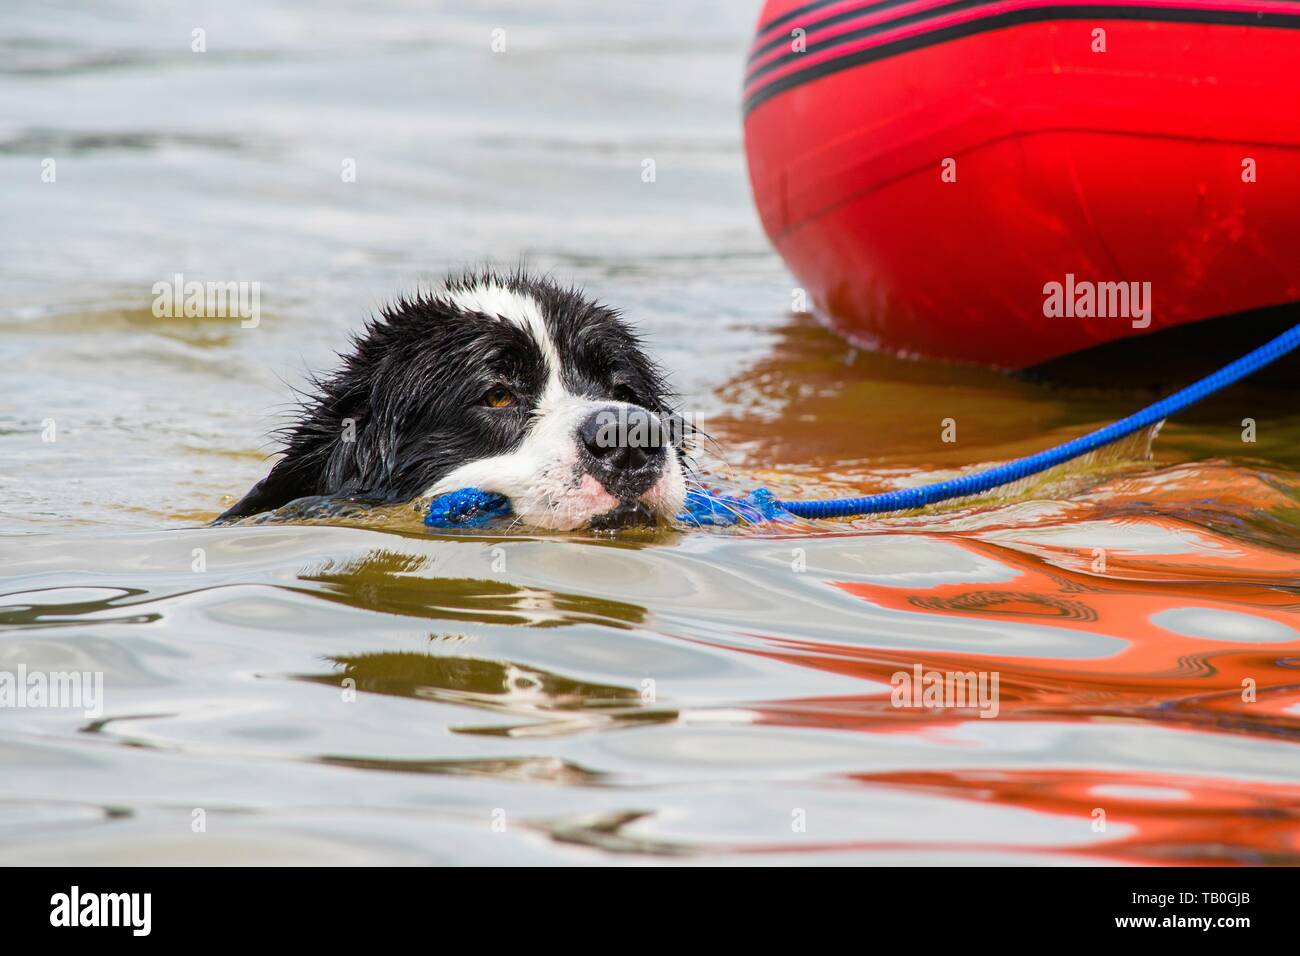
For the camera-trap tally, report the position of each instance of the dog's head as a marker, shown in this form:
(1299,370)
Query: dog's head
(510,384)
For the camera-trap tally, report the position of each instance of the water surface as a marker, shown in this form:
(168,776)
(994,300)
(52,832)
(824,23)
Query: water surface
(371,692)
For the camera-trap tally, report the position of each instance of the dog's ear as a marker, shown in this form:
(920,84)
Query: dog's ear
(284,484)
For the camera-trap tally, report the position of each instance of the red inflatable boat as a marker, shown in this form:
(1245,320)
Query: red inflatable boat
(1009,181)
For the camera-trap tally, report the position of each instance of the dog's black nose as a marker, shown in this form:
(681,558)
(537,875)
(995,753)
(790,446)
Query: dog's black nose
(626,448)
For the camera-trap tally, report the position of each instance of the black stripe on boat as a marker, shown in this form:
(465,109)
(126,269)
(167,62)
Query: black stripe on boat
(1015,18)
(916,16)
(830,21)
(794,14)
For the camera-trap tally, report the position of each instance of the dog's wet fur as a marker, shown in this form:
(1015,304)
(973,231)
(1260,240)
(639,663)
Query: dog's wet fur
(508,383)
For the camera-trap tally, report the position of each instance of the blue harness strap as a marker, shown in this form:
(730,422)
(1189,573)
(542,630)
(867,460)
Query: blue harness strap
(470,507)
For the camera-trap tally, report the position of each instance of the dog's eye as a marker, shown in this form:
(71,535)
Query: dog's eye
(498,396)
(623,393)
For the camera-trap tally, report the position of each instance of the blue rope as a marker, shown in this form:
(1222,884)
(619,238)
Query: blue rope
(470,507)
(981,481)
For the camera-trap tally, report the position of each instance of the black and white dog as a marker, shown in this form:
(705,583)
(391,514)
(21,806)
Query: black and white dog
(507,383)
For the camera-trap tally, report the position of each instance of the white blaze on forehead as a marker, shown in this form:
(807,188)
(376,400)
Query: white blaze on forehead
(519,309)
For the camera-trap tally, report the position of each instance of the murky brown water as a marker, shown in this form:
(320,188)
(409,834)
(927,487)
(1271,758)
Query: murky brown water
(381,694)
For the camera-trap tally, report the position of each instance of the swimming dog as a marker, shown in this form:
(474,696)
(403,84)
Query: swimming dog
(509,383)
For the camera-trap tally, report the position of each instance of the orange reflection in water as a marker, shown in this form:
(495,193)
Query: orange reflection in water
(1205,640)
(1199,592)
(1159,818)
(1156,672)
